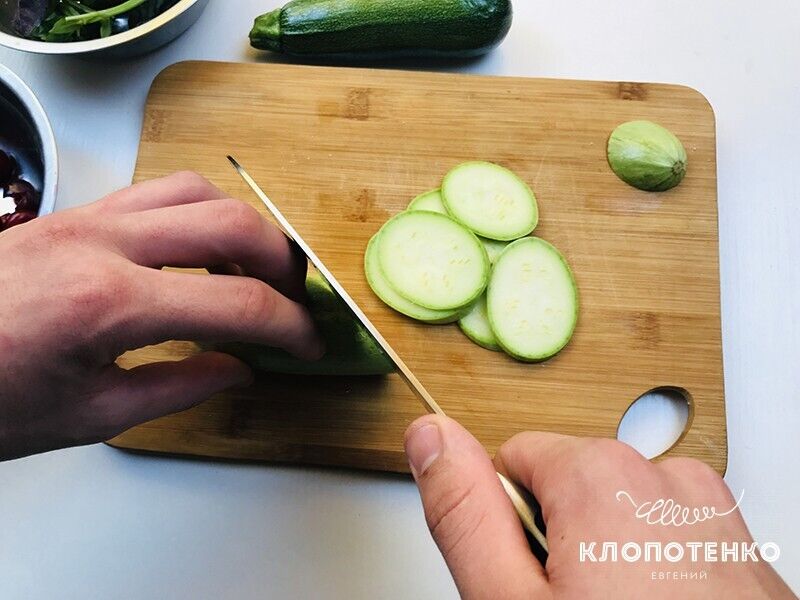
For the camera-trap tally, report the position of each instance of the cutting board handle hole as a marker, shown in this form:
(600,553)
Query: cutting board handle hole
(656,421)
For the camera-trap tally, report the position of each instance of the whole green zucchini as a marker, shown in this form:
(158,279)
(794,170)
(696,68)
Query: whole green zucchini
(383,28)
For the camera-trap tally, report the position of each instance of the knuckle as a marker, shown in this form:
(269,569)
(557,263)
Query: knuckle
(240,218)
(61,231)
(255,303)
(509,451)
(694,469)
(612,451)
(190,180)
(454,518)
(90,296)
(514,443)
(95,292)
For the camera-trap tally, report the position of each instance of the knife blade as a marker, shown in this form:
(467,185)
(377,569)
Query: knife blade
(292,234)
(522,501)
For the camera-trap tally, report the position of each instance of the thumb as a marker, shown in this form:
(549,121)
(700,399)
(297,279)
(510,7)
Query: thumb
(472,520)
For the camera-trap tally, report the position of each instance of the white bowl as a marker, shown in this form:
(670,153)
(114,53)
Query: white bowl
(18,103)
(146,37)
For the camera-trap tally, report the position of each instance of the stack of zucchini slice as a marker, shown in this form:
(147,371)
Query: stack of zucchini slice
(464,254)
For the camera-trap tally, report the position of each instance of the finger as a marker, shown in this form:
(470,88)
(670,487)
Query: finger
(158,389)
(221,308)
(699,483)
(184,187)
(561,470)
(214,233)
(472,520)
(227,269)
(526,458)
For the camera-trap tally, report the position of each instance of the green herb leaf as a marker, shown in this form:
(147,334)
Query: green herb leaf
(75,20)
(64,27)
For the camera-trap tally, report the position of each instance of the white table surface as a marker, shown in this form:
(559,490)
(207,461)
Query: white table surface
(98,523)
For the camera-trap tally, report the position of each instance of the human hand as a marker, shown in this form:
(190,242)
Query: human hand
(576,481)
(83,286)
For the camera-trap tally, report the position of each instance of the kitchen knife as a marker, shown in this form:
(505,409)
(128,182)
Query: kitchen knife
(523,502)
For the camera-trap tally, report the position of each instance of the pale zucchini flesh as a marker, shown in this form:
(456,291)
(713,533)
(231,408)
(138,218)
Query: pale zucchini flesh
(431,201)
(475,325)
(493,248)
(532,300)
(433,261)
(390,297)
(490,200)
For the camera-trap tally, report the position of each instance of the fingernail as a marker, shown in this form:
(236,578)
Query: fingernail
(423,447)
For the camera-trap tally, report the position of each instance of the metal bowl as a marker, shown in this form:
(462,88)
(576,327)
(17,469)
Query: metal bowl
(25,129)
(142,39)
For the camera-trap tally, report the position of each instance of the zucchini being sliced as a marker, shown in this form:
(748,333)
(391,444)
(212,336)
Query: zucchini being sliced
(532,300)
(351,350)
(433,261)
(490,200)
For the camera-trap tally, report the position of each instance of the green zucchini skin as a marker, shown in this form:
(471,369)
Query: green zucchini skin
(383,28)
(351,350)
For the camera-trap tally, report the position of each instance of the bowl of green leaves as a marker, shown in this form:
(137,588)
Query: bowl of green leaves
(102,27)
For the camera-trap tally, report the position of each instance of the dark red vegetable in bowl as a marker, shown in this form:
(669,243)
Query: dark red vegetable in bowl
(27,198)
(8,169)
(16,218)
(24,194)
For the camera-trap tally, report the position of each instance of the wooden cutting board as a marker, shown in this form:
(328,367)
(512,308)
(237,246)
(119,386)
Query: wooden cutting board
(341,150)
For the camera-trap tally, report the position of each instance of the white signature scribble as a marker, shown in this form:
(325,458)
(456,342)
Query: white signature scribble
(666,511)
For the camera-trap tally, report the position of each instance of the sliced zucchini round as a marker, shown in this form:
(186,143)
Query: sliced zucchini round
(493,248)
(433,261)
(532,300)
(475,325)
(431,201)
(394,300)
(490,200)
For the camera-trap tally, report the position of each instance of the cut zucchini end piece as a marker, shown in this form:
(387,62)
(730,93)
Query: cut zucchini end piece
(431,201)
(432,261)
(377,282)
(490,200)
(532,301)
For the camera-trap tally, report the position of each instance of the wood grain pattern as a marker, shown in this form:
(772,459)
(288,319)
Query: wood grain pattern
(341,150)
